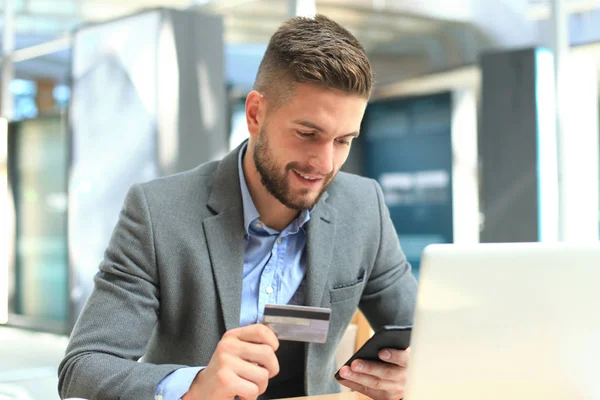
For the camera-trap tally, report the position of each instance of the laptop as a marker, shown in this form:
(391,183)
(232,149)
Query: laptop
(507,321)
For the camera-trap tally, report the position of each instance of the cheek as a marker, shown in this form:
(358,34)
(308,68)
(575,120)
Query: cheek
(288,150)
(297,152)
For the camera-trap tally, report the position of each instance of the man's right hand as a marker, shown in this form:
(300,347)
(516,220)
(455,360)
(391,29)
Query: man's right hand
(242,365)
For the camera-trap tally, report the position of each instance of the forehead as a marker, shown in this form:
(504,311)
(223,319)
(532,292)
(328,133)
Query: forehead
(332,109)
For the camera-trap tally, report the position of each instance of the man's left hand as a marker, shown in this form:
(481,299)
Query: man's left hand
(378,380)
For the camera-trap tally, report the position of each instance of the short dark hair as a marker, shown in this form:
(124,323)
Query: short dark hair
(313,50)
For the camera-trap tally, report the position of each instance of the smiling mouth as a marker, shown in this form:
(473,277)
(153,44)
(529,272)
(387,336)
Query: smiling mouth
(308,178)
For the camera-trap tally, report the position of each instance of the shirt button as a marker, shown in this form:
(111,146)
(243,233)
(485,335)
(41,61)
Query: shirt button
(258,225)
(159,397)
(279,240)
(269,290)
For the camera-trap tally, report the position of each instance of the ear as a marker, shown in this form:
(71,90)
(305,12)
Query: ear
(255,112)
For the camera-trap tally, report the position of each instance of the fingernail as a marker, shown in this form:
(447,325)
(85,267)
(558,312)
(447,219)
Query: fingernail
(357,366)
(385,355)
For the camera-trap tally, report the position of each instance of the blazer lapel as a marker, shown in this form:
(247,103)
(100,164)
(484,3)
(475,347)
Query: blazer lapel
(319,246)
(224,233)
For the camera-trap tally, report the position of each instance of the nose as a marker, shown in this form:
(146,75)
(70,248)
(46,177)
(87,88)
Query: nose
(322,158)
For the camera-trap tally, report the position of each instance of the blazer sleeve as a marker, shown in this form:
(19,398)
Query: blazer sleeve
(113,330)
(390,294)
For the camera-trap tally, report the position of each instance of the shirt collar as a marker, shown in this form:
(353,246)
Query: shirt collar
(251,213)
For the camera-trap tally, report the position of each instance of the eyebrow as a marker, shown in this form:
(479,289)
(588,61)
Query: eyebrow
(316,127)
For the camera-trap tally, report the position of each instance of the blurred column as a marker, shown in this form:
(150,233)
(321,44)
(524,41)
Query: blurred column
(5,217)
(148,100)
(517,147)
(578,150)
(6,102)
(560,49)
(302,8)
(8,40)
(576,104)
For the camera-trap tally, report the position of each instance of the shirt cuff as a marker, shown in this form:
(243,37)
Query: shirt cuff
(176,384)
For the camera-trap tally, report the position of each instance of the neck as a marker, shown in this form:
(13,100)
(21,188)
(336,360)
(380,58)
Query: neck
(271,211)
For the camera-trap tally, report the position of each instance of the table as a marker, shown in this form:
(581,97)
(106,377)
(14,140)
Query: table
(339,396)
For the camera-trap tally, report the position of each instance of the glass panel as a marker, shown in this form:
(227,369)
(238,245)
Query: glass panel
(41,206)
(408,150)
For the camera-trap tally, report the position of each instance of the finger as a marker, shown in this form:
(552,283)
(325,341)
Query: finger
(381,370)
(260,354)
(246,390)
(393,356)
(237,386)
(252,373)
(260,334)
(357,387)
(371,382)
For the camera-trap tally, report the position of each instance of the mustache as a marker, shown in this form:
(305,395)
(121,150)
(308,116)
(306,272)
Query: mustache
(306,169)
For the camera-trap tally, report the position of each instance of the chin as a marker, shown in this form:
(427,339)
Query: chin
(310,202)
(302,203)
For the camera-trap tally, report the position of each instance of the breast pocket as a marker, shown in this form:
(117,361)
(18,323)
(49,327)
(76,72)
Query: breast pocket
(347,290)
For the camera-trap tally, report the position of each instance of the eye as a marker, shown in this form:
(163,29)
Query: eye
(306,134)
(343,142)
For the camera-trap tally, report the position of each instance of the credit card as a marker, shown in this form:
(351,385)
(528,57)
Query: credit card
(298,323)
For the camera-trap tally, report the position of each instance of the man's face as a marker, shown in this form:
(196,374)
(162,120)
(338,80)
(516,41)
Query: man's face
(304,143)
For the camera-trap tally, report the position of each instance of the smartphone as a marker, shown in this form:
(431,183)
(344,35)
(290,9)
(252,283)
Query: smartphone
(387,337)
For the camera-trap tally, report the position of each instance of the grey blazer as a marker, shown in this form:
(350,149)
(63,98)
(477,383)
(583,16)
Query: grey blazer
(171,280)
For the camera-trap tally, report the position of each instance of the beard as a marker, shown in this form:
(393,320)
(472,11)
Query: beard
(276,179)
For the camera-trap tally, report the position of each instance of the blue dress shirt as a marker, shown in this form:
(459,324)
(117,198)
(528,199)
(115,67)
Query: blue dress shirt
(274,270)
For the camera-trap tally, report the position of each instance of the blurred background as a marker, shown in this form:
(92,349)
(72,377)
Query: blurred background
(483,127)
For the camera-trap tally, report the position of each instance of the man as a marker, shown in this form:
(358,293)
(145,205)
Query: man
(195,257)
